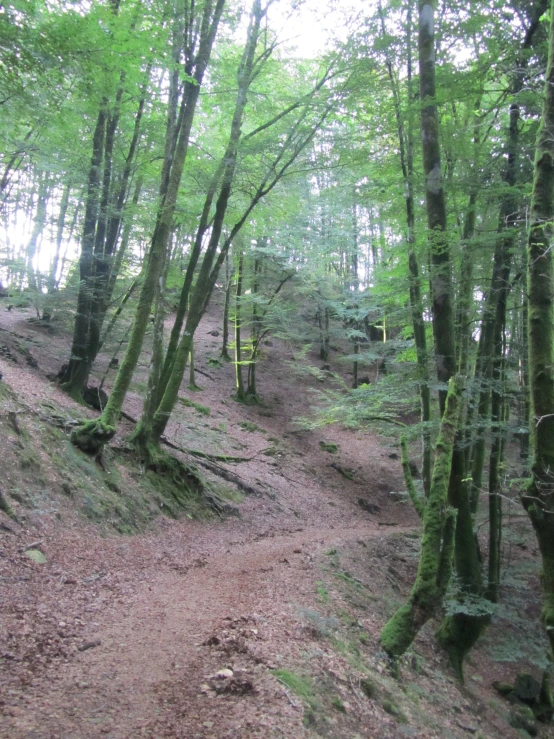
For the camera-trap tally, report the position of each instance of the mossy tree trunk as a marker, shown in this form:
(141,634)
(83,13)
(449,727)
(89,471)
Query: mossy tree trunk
(523,406)
(459,632)
(406,142)
(323,323)
(105,206)
(185,295)
(74,378)
(441,270)
(93,435)
(538,499)
(156,360)
(226,305)
(239,380)
(212,262)
(466,557)
(255,331)
(206,277)
(437,542)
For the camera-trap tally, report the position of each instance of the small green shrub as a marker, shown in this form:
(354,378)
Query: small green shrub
(300,686)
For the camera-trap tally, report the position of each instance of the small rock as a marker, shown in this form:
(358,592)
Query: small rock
(367,506)
(527,688)
(208,724)
(467,727)
(224,674)
(90,645)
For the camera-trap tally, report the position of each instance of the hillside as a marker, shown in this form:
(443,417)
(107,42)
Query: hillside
(124,626)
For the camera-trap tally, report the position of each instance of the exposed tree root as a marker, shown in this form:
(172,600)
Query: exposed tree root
(92,436)
(186,480)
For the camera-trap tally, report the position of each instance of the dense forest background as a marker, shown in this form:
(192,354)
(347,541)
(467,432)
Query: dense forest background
(385,200)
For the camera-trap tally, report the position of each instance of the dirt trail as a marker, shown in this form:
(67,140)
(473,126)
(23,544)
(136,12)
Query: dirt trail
(146,676)
(303,581)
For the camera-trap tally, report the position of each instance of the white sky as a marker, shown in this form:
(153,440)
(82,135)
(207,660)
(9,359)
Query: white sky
(315,24)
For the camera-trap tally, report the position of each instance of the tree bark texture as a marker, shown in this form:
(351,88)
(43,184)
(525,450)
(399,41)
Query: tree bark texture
(539,496)
(435,560)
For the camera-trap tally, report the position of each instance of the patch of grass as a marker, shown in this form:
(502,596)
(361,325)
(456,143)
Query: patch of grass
(300,686)
(202,409)
(28,460)
(350,579)
(329,446)
(369,688)
(322,592)
(249,426)
(338,705)
(214,363)
(392,709)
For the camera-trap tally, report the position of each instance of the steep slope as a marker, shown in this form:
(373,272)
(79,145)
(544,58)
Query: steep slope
(124,636)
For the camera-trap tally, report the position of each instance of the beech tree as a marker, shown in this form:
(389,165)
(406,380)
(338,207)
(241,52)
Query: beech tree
(196,43)
(538,499)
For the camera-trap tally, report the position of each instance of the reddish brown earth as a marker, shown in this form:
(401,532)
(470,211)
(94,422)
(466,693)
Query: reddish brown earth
(123,636)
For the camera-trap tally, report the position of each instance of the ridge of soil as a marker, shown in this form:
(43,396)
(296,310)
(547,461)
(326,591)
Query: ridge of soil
(124,637)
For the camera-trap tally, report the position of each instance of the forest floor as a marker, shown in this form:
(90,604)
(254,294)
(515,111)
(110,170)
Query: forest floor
(263,625)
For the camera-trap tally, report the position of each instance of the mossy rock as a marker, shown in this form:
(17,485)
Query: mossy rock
(503,688)
(36,555)
(527,689)
(523,717)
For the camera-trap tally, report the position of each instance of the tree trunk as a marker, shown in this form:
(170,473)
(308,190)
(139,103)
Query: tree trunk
(92,436)
(184,298)
(539,496)
(239,382)
(405,138)
(52,277)
(75,376)
(458,633)
(38,228)
(437,541)
(255,334)
(441,271)
(206,278)
(225,340)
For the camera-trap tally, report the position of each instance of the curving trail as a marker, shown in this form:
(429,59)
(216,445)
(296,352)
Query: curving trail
(172,607)
(147,675)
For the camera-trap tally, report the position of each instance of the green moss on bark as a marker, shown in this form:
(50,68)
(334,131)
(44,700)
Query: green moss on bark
(417,500)
(539,497)
(435,562)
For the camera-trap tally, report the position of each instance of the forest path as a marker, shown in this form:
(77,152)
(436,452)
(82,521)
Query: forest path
(148,676)
(152,599)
